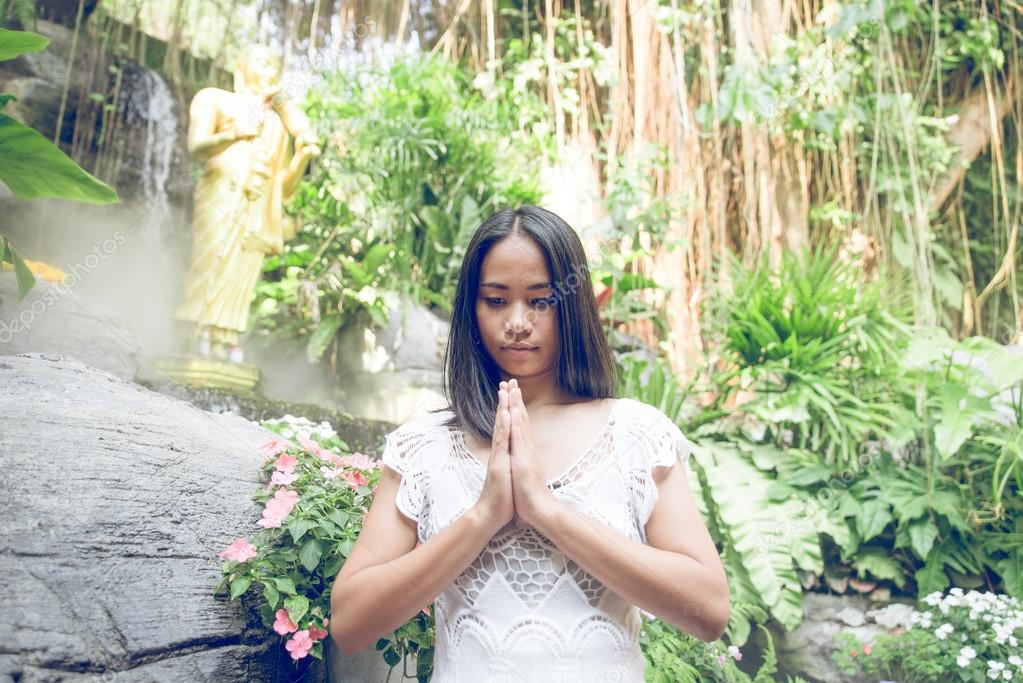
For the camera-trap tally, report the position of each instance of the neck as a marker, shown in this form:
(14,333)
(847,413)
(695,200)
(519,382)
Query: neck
(540,390)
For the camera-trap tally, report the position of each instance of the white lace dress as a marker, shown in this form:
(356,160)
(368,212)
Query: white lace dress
(522,611)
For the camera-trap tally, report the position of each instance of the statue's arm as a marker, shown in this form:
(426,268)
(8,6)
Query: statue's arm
(306,146)
(203,140)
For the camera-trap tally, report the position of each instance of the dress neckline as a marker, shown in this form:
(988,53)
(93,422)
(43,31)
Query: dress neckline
(463,448)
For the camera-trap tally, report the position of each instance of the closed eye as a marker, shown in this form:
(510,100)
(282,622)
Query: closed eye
(549,301)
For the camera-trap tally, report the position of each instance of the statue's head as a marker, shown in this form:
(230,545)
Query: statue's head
(257,68)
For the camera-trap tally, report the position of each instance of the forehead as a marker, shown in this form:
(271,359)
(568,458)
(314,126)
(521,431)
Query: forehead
(515,261)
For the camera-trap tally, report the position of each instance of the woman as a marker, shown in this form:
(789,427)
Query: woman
(547,513)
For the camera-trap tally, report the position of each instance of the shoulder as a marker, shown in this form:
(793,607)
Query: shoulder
(661,439)
(409,442)
(209,95)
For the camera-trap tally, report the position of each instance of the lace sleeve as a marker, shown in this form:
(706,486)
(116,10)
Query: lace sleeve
(665,445)
(400,454)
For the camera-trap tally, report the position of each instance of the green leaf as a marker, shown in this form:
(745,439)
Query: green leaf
(931,577)
(376,256)
(1011,569)
(15,43)
(33,167)
(874,520)
(345,547)
(309,554)
(880,565)
(922,534)
(322,337)
(298,528)
(271,594)
(5,98)
(285,585)
(339,517)
(26,280)
(240,585)
(297,607)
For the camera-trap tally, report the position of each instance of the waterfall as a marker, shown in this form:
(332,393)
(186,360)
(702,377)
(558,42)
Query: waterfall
(161,138)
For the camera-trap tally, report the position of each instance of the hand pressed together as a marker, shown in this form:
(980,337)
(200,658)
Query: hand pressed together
(515,486)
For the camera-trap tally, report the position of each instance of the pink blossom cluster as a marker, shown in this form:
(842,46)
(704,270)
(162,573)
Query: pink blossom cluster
(239,551)
(277,508)
(302,641)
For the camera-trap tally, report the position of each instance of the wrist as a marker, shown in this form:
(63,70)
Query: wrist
(483,518)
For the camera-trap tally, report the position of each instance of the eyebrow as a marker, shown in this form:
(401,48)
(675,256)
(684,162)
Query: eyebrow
(498,285)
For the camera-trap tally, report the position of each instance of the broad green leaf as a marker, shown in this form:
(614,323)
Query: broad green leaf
(34,167)
(285,585)
(26,280)
(297,607)
(320,340)
(298,528)
(309,554)
(271,594)
(949,434)
(1011,569)
(15,43)
(931,577)
(880,565)
(240,585)
(339,517)
(922,535)
(5,98)
(874,520)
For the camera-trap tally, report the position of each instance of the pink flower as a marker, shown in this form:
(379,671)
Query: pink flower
(286,463)
(284,625)
(282,478)
(287,496)
(360,461)
(721,660)
(299,645)
(317,633)
(735,653)
(356,479)
(239,551)
(277,508)
(272,448)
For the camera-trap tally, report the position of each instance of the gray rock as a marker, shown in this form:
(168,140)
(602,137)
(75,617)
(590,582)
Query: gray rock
(894,616)
(850,616)
(116,502)
(807,650)
(54,319)
(393,374)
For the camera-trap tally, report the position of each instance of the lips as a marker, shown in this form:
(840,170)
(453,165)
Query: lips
(518,351)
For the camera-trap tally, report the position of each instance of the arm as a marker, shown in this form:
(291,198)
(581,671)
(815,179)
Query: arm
(388,579)
(677,577)
(203,141)
(306,146)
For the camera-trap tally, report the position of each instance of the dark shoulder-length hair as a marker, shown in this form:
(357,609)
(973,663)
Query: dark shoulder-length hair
(584,367)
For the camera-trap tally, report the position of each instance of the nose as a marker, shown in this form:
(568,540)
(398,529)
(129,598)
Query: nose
(518,325)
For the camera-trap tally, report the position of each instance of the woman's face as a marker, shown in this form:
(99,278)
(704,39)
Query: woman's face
(514,307)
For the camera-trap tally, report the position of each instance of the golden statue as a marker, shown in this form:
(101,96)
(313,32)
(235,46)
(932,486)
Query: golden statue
(243,139)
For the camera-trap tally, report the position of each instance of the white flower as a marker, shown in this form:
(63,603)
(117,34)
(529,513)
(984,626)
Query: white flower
(942,631)
(963,661)
(968,652)
(1015,660)
(1006,675)
(933,599)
